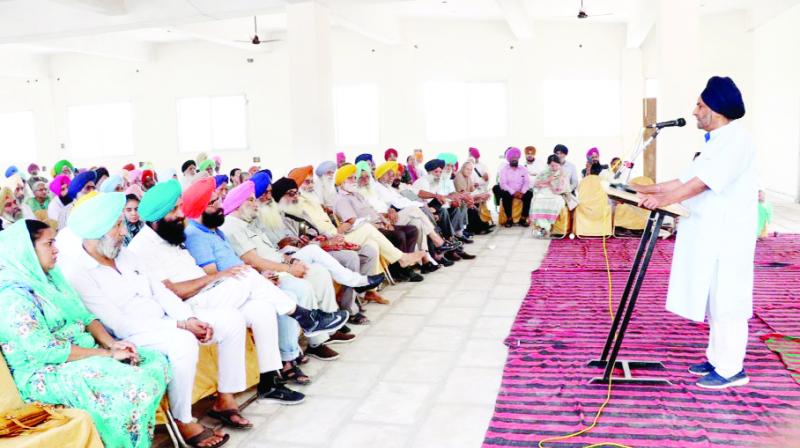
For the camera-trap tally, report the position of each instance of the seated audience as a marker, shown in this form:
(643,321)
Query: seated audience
(515,184)
(569,168)
(131,216)
(326,185)
(548,200)
(464,182)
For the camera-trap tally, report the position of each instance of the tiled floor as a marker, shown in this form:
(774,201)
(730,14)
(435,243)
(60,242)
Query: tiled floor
(436,352)
(427,371)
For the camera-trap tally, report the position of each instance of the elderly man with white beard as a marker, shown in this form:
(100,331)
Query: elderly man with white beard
(326,185)
(439,191)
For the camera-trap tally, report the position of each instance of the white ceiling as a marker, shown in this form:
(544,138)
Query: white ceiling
(70,25)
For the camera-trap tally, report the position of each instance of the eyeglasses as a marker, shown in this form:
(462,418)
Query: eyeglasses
(291,193)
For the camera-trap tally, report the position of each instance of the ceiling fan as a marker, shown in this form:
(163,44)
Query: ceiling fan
(583,15)
(255,40)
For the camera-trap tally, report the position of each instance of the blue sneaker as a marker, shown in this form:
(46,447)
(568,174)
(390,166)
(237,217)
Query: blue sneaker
(714,381)
(702,369)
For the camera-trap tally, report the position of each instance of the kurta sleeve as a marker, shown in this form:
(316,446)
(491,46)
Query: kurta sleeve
(173,306)
(237,238)
(24,335)
(719,169)
(344,209)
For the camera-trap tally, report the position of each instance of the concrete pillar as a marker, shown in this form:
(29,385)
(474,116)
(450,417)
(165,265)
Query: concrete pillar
(311,81)
(680,82)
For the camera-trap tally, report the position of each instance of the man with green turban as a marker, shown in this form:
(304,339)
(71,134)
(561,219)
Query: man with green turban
(115,286)
(62,167)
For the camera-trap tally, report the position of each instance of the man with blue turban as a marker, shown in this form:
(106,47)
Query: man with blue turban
(569,168)
(366,157)
(712,267)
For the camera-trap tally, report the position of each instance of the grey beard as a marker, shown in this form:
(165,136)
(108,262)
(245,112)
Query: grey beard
(109,248)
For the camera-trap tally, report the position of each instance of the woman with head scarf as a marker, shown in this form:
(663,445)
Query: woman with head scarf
(410,175)
(550,187)
(131,217)
(61,354)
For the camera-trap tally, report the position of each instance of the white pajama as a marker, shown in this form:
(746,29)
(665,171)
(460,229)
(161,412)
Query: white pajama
(313,254)
(413,216)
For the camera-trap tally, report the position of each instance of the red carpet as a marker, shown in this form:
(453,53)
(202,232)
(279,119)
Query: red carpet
(564,321)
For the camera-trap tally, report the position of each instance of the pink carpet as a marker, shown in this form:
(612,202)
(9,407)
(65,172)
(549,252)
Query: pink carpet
(563,323)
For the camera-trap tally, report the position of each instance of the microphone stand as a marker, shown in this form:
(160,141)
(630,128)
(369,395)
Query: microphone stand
(640,148)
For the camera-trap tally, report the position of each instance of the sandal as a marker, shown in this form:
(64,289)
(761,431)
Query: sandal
(302,359)
(296,375)
(204,435)
(358,319)
(226,418)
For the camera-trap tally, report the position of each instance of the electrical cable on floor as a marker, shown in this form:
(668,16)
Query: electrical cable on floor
(610,380)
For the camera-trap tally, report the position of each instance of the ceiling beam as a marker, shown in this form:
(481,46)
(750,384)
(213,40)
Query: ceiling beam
(373,23)
(765,10)
(641,21)
(111,47)
(517,18)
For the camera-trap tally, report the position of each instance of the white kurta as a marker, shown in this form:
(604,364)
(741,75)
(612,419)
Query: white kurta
(715,246)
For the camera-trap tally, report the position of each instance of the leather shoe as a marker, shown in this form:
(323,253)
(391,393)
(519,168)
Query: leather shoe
(374,297)
(373,281)
(465,256)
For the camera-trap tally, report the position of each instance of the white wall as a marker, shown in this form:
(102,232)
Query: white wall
(776,116)
(462,51)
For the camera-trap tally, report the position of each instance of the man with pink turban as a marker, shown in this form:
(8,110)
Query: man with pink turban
(515,184)
(340,159)
(480,174)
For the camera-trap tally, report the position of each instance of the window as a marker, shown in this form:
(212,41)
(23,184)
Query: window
(581,108)
(356,114)
(212,123)
(17,138)
(464,111)
(100,130)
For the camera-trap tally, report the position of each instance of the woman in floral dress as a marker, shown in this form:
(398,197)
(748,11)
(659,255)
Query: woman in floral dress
(59,353)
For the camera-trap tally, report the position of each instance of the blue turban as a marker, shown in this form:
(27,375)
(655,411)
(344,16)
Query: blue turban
(111,184)
(433,164)
(262,180)
(95,217)
(723,97)
(364,156)
(79,182)
(560,148)
(159,200)
(220,179)
(324,167)
(12,170)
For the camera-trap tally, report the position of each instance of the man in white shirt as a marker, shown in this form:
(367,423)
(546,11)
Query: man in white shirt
(480,174)
(326,191)
(159,246)
(438,186)
(116,288)
(712,268)
(569,168)
(530,164)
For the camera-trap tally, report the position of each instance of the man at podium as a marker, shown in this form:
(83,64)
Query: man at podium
(712,267)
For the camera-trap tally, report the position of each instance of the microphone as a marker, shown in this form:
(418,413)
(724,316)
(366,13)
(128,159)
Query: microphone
(680,122)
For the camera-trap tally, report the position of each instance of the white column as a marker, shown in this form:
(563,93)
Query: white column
(680,82)
(632,96)
(311,84)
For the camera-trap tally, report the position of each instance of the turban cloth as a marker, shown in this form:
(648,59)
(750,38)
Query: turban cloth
(220,179)
(202,157)
(431,165)
(196,197)
(5,193)
(262,181)
(385,167)
(12,170)
(592,152)
(344,172)
(134,176)
(79,182)
(340,158)
(361,167)
(448,157)
(298,175)
(129,167)
(530,150)
(561,148)
(364,157)
(389,152)
(158,201)
(324,167)
(147,174)
(165,174)
(237,196)
(84,198)
(723,97)
(111,184)
(32,167)
(58,182)
(512,153)
(96,215)
(281,186)
(186,165)
(217,160)
(59,166)
(135,190)
(475,153)
(206,164)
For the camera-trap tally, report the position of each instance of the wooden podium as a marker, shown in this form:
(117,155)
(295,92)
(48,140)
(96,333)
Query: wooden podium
(608,359)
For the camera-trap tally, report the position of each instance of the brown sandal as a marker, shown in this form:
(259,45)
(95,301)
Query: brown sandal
(226,417)
(204,435)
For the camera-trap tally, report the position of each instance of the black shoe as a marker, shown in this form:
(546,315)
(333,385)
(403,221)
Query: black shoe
(415,278)
(427,268)
(465,256)
(523,223)
(445,262)
(446,247)
(508,224)
(373,281)
(281,394)
(452,256)
(464,239)
(467,234)
(345,329)
(323,322)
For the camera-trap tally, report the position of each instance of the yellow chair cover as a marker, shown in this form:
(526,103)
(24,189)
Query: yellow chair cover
(516,212)
(486,215)
(562,224)
(205,380)
(593,214)
(631,217)
(78,432)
